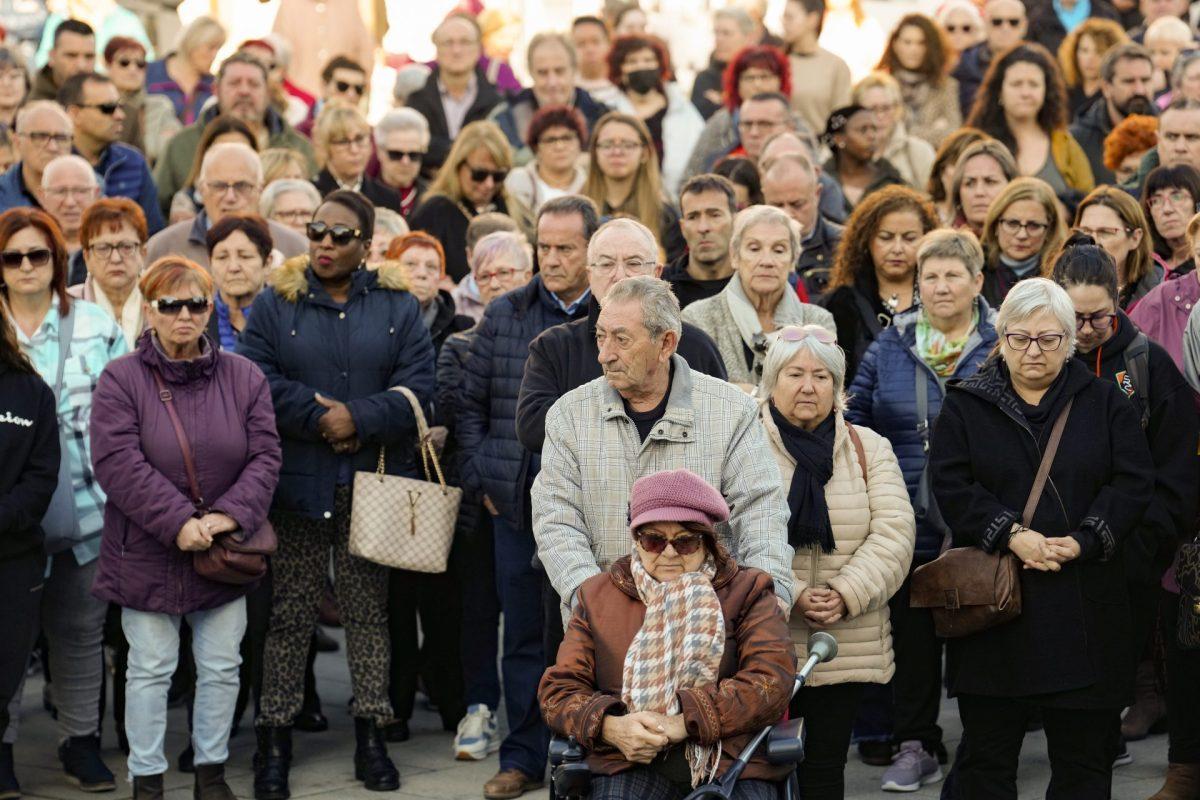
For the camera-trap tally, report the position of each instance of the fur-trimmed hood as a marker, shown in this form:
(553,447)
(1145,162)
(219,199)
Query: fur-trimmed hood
(292,279)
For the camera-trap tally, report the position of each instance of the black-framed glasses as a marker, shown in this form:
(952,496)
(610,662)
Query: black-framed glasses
(357,88)
(43,138)
(105,250)
(1011,225)
(1100,321)
(173,305)
(38,257)
(107,109)
(1047,342)
(400,155)
(480,175)
(685,544)
(340,234)
(140,63)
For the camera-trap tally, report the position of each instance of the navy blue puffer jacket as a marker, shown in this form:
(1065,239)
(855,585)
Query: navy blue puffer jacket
(493,461)
(883,397)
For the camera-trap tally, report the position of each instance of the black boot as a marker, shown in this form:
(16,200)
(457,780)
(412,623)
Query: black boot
(9,788)
(272,761)
(371,763)
(148,787)
(210,783)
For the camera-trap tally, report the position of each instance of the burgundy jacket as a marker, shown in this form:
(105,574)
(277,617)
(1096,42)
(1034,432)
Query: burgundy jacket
(225,405)
(752,691)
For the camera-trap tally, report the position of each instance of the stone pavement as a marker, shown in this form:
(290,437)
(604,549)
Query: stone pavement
(322,764)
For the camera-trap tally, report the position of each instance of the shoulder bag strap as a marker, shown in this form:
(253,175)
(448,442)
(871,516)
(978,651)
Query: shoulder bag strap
(424,443)
(922,386)
(164,394)
(858,448)
(66,332)
(1039,483)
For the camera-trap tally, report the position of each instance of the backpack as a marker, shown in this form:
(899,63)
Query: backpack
(1137,368)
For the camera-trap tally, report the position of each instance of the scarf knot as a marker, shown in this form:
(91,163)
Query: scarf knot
(808,524)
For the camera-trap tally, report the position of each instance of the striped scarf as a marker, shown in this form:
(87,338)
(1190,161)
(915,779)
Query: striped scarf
(679,646)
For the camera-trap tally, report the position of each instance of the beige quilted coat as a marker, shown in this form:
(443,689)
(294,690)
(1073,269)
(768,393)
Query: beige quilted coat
(873,532)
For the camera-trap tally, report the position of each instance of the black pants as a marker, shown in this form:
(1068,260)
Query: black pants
(552,636)
(479,642)
(828,713)
(1081,745)
(436,599)
(1183,690)
(21,587)
(917,684)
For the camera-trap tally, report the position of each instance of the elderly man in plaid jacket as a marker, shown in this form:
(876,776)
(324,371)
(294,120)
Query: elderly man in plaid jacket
(651,412)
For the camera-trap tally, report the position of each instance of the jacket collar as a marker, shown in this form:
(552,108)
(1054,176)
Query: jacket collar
(295,279)
(841,437)
(199,369)
(445,313)
(993,384)
(621,574)
(275,124)
(680,412)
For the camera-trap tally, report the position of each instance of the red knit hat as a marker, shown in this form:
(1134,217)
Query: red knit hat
(675,495)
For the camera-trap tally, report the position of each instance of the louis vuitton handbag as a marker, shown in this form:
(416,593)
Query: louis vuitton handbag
(401,522)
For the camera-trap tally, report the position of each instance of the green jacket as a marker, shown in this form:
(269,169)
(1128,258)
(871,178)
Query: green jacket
(43,87)
(175,163)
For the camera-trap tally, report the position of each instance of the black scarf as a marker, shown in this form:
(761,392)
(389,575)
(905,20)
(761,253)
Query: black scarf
(808,524)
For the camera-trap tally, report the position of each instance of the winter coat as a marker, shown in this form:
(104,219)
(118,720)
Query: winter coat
(29,469)
(1071,161)
(224,404)
(857,322)
(13,193)
(493,462)
(1070,645)
(1046,29)
(354,352)
(1171,433)
(593,454)
(933,111)
(123,172)
(817,255)
(566,357)
(872,524)
(973,63)
(886,174)
(447,221)
(911,156)
(709,79)
(187,109)
(883,398)
(427,101)
(514,116)
(1090,129)
(681,129)
(380,194)
(752,689)
(188,239)
(687,289)
(150,122)
(447,320)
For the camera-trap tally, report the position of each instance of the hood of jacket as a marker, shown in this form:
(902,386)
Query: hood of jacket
(179,373)
(294,278)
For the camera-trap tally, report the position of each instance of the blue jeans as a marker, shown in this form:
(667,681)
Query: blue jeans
(522,662)
(153,653)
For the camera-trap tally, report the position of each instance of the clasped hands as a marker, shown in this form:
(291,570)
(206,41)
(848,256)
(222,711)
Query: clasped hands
(337,426)
(641,736)
(1045,554)
(822,607)
(198,532)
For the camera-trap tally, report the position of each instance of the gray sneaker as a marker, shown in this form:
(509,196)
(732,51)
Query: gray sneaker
(912,769)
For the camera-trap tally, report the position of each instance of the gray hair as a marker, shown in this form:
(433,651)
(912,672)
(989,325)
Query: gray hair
(70,160)
(271,194)
(1032,296)
(552,37)
(386,220)
(758,215)
(1182,62)
(738,16)
(1163,29)
(409,80)
(960,245)
(624,224)
(29,109)
(401,119)
(660,306)
(803,136)
(781,353)
(232,149)
(504,246)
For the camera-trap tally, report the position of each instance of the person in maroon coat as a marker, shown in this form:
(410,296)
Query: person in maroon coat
(152,527)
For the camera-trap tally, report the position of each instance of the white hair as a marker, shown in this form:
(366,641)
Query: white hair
(966,6)
(277,188)
(781,353)
(758,215)
(232,149)
(62,162)
(738,16)
(623,224)
(504,246)
(401,119)
(1033,296)
(387,221)
(29,109)
(660,306)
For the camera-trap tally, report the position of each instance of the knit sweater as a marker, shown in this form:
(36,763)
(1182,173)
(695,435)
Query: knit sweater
(820,83)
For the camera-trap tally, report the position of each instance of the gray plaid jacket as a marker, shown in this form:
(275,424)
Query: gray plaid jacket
(592,456)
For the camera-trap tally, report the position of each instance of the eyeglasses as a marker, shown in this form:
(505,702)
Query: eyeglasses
(13,259)
(343,87)
(619,147)
(1176,197)
(479,175)
(634,266)
(400,155)
(1104,234)
(547,141)
(105,250)
(1047,342)
(42,138)
(125,63)
(107,109)
(173,305)
(1101,321)
(295,215)
(1012,22)
(339,234)
(241,188)
(684,544)
(504,275)
(78,192)
(1032,228)
(957,28)
(362,140)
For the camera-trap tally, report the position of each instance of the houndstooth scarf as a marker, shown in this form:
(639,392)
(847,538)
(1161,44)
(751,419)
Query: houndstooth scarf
(679,646)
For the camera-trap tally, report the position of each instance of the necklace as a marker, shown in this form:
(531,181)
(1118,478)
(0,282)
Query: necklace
(892,303)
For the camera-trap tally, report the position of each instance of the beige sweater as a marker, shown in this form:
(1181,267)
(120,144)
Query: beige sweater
(820,83)
(873,531)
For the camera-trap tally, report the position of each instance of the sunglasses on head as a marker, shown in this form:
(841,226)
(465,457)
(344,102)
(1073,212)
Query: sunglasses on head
(400,155)
(685,544)
(12,259)
(481,175)
(340,234)
(173,305)
(140,63)
(797,333)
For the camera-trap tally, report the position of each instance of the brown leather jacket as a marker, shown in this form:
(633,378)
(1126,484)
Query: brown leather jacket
(756,677)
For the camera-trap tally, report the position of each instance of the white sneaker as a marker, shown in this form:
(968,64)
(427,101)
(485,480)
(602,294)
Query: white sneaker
(476,738)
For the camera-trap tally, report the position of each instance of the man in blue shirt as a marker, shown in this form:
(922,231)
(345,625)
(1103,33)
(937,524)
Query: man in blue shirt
(43,133)
(93,103)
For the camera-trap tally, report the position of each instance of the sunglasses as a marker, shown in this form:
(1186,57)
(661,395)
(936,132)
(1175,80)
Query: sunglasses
(173,305)
(1012,22)
(12,259)
(107,109)
(340,234)
(400,155)
(342,86)
(957,28)
(684,544)
(127,62)
(481,175)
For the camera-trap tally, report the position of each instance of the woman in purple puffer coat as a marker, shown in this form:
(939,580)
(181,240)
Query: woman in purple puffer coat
(152,527)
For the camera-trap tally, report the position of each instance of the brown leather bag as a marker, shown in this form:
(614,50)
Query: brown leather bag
(968,590)
(235,557)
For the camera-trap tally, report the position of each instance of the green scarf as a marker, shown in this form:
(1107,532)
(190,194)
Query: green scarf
(940,353)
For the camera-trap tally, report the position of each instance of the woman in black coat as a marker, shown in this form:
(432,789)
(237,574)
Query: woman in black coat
(28,476)
(1068,654)
(342,139)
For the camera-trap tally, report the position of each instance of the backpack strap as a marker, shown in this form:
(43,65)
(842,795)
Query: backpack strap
(858,448)
(1137,362)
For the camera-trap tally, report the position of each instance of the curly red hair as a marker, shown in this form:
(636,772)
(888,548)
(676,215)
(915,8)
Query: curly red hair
(762,56)
(625,46)
(1136,134)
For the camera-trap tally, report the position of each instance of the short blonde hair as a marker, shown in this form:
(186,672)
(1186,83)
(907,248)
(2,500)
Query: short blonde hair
(276,162)
(200,31)
(336,122)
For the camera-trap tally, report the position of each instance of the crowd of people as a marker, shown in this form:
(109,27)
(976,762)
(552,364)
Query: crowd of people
(712,369)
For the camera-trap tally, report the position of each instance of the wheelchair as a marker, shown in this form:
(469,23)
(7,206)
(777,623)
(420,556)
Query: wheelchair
(570,778)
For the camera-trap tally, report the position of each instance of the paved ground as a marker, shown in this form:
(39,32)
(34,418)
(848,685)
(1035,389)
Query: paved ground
(322,765)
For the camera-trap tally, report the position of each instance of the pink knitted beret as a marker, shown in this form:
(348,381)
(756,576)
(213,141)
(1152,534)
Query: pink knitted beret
(675,495)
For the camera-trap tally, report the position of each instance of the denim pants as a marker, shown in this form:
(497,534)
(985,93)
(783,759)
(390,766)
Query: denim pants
(153,654)
(522,662)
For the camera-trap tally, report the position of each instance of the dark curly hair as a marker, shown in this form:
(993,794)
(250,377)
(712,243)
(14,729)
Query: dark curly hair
(936,64)
(761,56)
(556,117)
(625,46)
(988,113)
(853,265)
